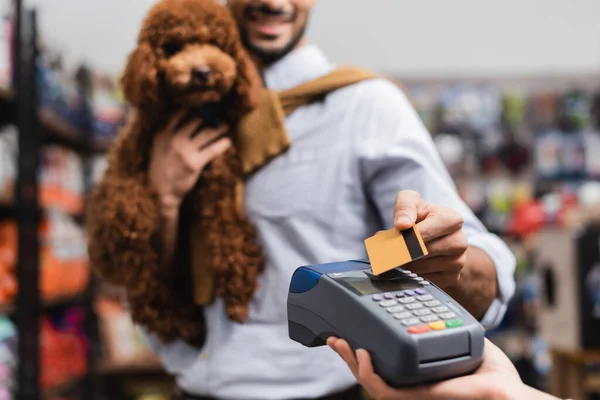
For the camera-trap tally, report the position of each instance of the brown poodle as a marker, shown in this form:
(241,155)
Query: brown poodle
(188,55)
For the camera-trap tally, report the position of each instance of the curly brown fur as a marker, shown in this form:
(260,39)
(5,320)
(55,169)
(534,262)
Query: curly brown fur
(178,42)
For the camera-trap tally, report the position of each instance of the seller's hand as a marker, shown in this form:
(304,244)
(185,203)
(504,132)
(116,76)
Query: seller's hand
(496,379)
(178,157)
(441,230)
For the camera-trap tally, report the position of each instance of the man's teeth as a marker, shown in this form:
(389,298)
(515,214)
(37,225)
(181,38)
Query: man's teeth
(268,19)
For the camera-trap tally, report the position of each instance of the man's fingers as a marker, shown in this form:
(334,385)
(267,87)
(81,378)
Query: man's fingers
(406,208)
(176,120)
(453,244)
(207,136)
(209,153)
(437,264)
(439,221)
(443,280)
(186,130)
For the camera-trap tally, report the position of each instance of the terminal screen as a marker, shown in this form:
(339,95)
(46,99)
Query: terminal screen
(365,286)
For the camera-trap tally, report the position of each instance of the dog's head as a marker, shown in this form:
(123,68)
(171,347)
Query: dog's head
(189,55)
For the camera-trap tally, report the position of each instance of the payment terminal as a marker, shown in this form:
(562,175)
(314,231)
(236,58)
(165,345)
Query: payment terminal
(414,331)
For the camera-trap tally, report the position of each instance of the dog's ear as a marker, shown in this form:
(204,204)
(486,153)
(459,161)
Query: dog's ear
(248,85)
(140,79)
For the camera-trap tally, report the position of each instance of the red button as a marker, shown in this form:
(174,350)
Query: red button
(419,329)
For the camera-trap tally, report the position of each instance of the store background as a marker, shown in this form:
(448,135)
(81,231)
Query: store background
(463,62)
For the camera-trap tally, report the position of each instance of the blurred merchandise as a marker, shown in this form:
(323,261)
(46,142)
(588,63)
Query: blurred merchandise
(452,151)
(5,47)
(470,109)
(99,164)
(513,111)
(123,342)
(109,107)
(519,157)
(60,180)
(592,153)
(547,152)
(544,108)
(63,348)
(58,89)
(424,99)
(575,111)
(8,154)
(59,93)
(589,194)
(8,358)
(64,269)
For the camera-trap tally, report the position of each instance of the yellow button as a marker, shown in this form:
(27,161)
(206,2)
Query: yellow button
(437,325)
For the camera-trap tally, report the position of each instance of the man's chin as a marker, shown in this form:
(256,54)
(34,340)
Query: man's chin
(269,52)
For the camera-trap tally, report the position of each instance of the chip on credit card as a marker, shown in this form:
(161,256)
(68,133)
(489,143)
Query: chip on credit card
(394,248)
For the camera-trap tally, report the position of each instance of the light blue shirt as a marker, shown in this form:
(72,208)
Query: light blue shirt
(350,155)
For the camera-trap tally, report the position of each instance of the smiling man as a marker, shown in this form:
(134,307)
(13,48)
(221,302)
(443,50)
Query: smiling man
(360,161)
(271,29)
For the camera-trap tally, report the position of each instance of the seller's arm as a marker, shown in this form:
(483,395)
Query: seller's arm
(397,158)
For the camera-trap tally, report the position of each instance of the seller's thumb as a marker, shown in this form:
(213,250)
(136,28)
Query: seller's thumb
(405,209)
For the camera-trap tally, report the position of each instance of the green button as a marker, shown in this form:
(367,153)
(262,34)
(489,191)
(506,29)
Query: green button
(453,323)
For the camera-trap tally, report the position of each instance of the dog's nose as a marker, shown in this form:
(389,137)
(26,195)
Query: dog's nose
(201,74)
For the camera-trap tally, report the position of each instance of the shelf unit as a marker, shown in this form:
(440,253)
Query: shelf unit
(36,128)
(54,130)
(39,127)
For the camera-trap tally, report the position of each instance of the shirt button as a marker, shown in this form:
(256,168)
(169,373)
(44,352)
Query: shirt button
(203,356)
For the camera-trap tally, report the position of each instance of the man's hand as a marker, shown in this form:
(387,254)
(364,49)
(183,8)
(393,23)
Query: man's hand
(179,155)
(441,230)
(465,272)
(496,379)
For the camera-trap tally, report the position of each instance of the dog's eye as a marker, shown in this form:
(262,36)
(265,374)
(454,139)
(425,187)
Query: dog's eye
(170,49)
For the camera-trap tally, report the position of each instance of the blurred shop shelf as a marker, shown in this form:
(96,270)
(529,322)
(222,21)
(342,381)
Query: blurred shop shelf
(48,305)
(54,129)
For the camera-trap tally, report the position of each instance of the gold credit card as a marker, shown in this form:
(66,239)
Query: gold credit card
(393,248)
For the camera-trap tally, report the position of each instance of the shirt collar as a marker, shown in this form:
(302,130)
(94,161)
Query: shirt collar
(300,65)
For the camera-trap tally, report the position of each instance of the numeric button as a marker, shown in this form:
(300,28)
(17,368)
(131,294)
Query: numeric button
(395,309)
(429,318)
(407,300)
(433,303)
(448,315)
(410,321)
(421,312)
(387,303)
(403,315)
